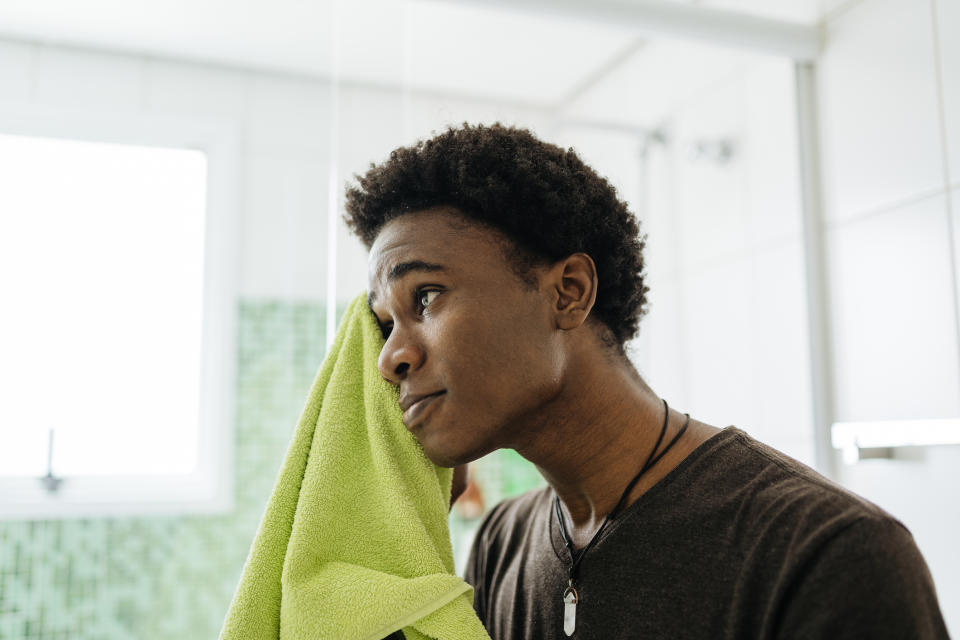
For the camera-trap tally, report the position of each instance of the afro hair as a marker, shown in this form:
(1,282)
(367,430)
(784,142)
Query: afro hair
(540,196)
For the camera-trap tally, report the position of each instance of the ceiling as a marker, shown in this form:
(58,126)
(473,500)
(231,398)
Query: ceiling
(432,45)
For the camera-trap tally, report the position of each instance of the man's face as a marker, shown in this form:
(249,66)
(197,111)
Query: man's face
(473,349)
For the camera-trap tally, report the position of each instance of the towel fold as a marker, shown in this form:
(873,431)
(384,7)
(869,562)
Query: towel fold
(354,542)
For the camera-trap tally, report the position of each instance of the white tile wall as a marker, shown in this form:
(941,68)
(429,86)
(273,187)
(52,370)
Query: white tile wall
(89,80)
(187,89)
(770,153)
(658,349)
(892,280)
(726,336)
(661,77)
(288,113)
(717,355)
(740,331)
(954,203)
(371,125)
(895,334)
(780,351)
(948,27)
(16,70)
(663,254)
(427,113)
(711,195)
(284,232)
(878,108)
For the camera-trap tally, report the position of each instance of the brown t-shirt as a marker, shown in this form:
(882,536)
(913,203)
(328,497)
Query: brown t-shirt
(738,541)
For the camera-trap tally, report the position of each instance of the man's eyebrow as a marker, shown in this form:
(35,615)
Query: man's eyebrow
(403,268)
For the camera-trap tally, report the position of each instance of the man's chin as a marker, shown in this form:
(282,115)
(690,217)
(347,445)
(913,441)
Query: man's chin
(441,458)
(450,456)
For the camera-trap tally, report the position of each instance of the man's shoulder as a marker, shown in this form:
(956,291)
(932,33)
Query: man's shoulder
(785,478)
(775,494)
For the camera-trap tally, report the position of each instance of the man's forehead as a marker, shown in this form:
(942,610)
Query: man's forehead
(417,237)
(430,240)
(393,260)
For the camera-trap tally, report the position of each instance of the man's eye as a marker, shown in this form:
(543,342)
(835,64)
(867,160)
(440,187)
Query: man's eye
(425,297)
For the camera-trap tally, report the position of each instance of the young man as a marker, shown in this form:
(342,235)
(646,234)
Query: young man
(506,277)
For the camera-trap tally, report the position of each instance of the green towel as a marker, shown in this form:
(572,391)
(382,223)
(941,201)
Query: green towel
(354,542)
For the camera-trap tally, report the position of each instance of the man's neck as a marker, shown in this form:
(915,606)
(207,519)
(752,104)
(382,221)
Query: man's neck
(592,441)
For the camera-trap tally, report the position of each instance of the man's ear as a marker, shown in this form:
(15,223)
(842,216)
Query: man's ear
(574,282)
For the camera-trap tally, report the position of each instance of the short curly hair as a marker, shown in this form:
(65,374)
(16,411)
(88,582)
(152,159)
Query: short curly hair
(542,197)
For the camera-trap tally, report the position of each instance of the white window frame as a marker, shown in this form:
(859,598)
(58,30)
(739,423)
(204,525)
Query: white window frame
(210,488)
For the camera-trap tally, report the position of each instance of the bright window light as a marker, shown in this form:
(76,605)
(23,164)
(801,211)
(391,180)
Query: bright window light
(101,275)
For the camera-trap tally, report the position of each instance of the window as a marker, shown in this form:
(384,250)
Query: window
(117,271)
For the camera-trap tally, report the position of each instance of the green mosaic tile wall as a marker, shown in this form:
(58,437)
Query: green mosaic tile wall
(172,577)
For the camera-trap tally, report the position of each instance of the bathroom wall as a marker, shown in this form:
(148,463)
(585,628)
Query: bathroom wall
(889,86)
(725,336)
(173,577)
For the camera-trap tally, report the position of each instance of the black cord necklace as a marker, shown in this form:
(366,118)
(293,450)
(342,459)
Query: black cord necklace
(570,597)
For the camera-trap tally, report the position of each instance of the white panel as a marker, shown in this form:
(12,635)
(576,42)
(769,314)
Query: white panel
(948,26)
(656,80)
(658,215)
(770,155)
(173,87)
(781,351)
(711,207)
(426,114)
(509,55)
(525,58)
(894,331)
(288,113)
(16,70)
(284,226)
(745,347)
(351,264)
(72,77)
(373,43)
(371,126)
(718,333)
(878,107)
(955,219)
(658,351)
(291,36)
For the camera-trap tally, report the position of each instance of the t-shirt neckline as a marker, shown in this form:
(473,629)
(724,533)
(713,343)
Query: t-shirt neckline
(671,478)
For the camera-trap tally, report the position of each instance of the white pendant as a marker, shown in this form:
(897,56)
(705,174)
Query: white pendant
(569,610)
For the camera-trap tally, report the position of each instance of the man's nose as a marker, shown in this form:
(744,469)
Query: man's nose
(400,355)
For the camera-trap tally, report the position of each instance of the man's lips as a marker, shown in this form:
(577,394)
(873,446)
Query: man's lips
(407,399)
(414,405)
